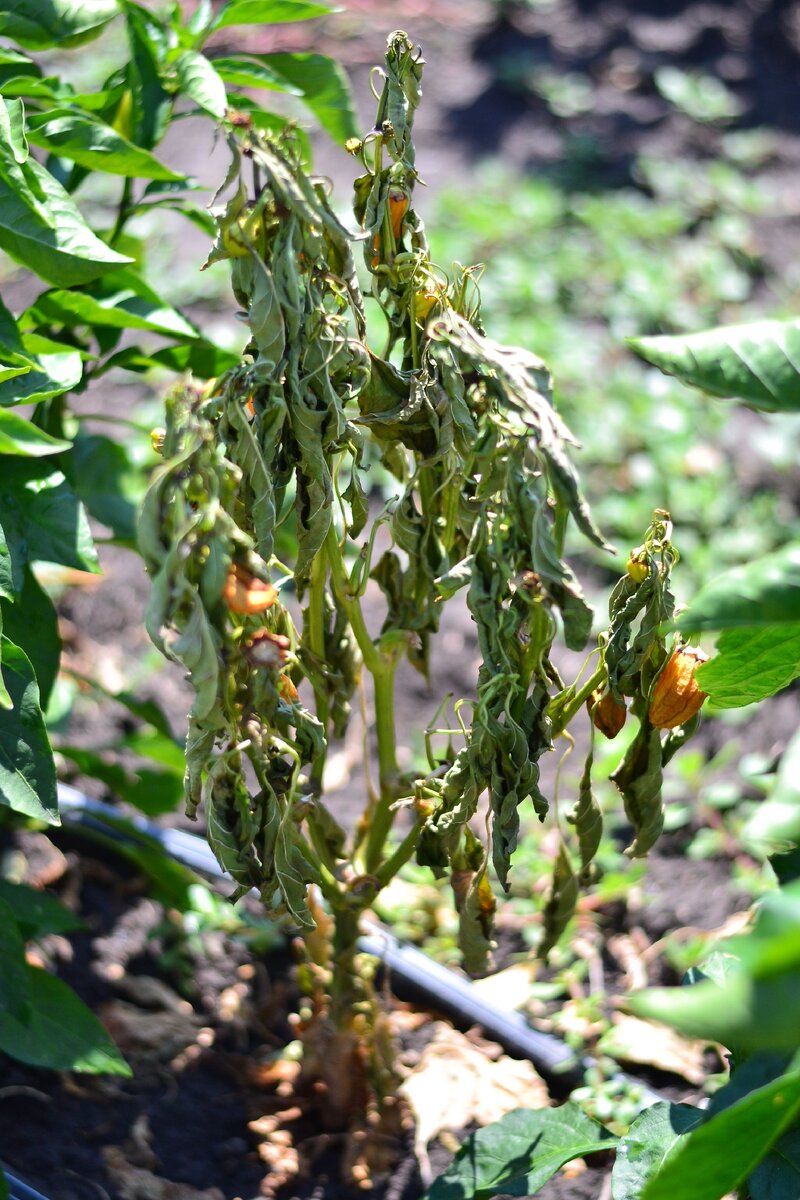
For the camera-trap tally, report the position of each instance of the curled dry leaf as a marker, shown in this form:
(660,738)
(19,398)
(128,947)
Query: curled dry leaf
(455,1083)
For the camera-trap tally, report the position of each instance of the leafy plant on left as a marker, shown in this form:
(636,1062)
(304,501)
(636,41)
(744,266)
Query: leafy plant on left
(62,153)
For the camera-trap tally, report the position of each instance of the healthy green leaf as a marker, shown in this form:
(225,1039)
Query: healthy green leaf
(13,976)
(90,142)
(763,592)
(152,104)
(717,1156)
(108,482)
(751,664)
(152,792)
(777,819)
(198,80)
(12,128)
(778,1176)
(27,771)
(32,624)
(758,363)
(253,73)
(41,228)
(42,519)
(39,24)
(121,300)
(269,12)
(60,1032)
(653,1137)
(518,1154)
(52,375)
(201,358)
(325,89)
(18,436)
(37,913)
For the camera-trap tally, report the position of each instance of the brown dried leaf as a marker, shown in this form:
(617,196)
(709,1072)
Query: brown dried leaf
(455,1083)
(510,988)
(632,1040)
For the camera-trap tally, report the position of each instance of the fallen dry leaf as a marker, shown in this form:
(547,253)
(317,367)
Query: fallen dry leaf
(508,989)
(455,1082)
(140,1033)
(631,1039)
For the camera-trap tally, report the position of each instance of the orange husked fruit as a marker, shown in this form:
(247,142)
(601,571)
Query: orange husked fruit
(607,714)
(244,593)
(677,696)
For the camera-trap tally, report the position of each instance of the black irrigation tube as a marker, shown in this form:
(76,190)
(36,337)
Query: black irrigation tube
(442,988)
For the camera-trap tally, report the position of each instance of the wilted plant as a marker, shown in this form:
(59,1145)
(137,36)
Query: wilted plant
(485,492)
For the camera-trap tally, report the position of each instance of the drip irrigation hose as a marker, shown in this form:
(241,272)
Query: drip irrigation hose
(17,1190)
(442,988)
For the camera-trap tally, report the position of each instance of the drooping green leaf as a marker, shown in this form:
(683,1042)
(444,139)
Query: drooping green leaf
(652,1138)
(203,359)
(27,771)
(751,664)
(37,913)
(251,72)
(18,436)
(518,1154)
(39,24)
(198,80)
(32,624)
(41,227)
(42,518)
(763,592)
(151,102)
(12,128)
(758,363)
(87,140)
(269,12)
(719,1155)
(14,975)
(60,1032)
(325,90)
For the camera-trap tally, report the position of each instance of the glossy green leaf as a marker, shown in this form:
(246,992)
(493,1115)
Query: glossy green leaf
(751,664)
(758,363)
(719,1155)
(42,518)
(253,73)
(51,375)
(39,24)
(518,1154)
(765,591)
(12,128)
(325,89)
(41,228)
(32,624)
(60,1032)
(152,103)
(27,771)
(203,359)
(13,971)
(152,792)
(37,913)
(198,80)
(18,436)
(87,140)
(121,300)
(652,1138)
(269,12)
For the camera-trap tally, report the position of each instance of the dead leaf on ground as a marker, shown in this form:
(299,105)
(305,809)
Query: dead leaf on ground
(455,1083)
(509,989)
(139,1183)
(146,1034)
(633,1040)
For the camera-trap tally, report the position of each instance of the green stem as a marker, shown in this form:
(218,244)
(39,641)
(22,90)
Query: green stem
(123,211)
(316,640)
(402,853)
(580,699)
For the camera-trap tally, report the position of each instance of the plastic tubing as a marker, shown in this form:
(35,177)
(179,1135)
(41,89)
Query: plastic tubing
(441,987)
